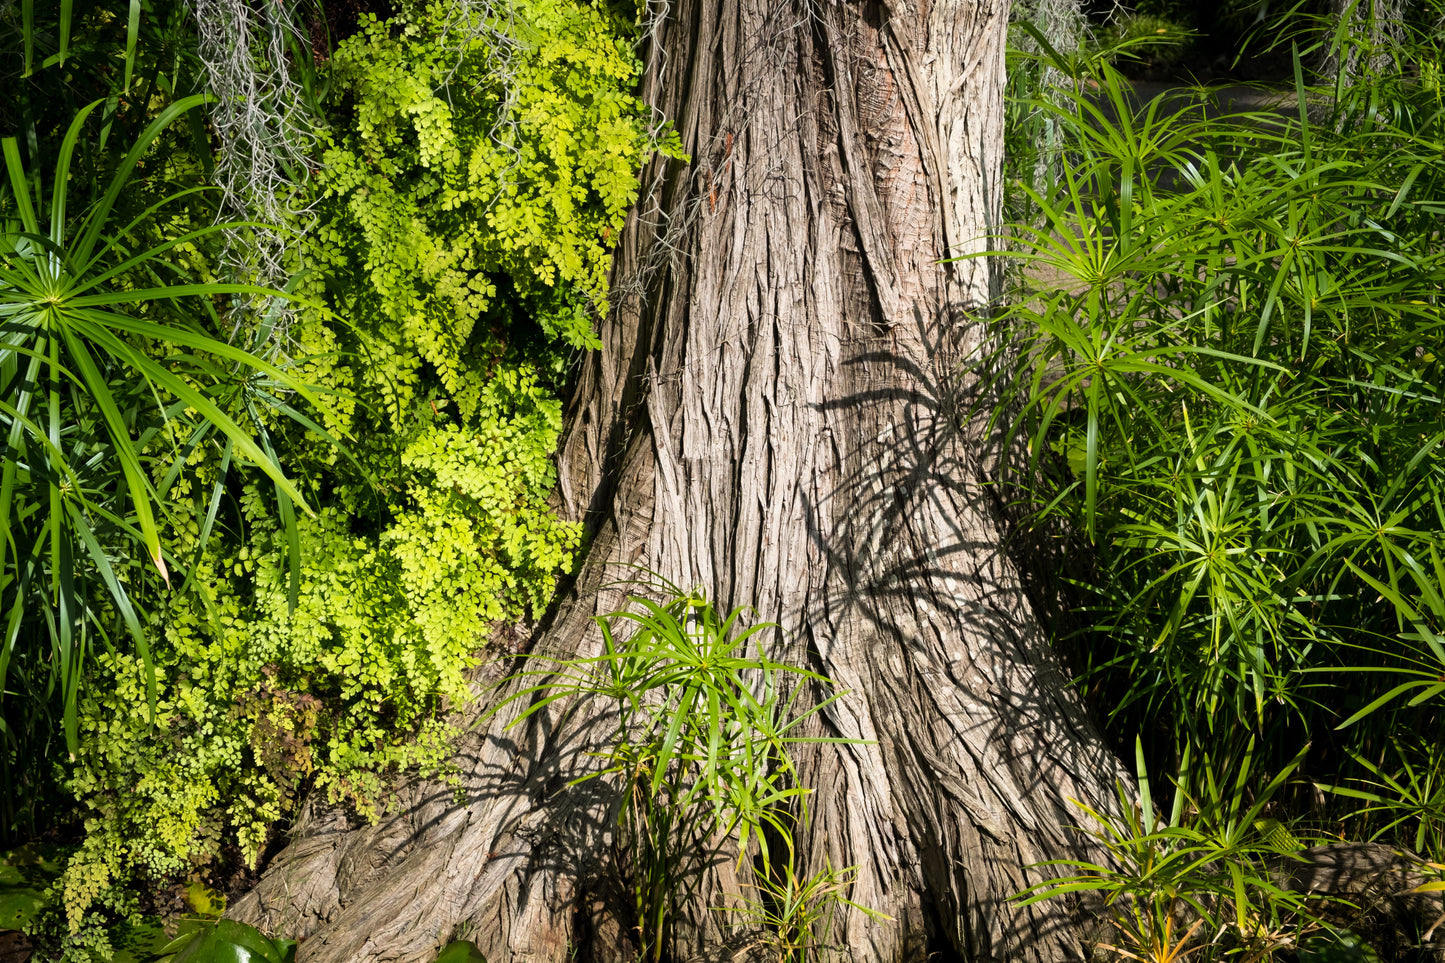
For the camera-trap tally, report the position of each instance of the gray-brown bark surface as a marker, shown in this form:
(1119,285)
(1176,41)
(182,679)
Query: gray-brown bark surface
(1376,889)
(776,417)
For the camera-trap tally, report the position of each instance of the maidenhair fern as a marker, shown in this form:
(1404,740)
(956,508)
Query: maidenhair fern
(465,201)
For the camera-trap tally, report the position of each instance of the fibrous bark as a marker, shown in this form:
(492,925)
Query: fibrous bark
(1374,31)
(778,416)
(1376,889)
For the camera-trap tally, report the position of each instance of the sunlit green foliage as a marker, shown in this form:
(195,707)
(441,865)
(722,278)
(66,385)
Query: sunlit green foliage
(1199,881)
(453,251)
(1225,394)
(455,165)
(82,388)
(706,725)
(1232,391)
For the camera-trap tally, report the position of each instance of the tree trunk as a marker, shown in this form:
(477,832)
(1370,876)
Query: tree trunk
(777,416)
(1376,29)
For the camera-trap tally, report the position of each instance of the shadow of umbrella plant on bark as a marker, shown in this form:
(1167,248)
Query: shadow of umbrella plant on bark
(704,725)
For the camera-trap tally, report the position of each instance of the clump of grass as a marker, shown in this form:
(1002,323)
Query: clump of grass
(1220,380)
(706,722)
